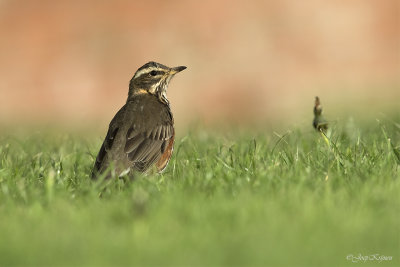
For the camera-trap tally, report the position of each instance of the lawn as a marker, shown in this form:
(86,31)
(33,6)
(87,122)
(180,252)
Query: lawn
(286,198)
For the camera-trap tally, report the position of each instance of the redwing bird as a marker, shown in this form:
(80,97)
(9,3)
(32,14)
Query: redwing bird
(141,134)
(319,121)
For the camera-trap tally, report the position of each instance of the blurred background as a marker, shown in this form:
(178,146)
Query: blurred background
(248,61)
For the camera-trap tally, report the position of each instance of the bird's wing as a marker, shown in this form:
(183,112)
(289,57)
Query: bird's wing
(145,146)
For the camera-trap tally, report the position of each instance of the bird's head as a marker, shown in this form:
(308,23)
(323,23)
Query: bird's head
(152,78)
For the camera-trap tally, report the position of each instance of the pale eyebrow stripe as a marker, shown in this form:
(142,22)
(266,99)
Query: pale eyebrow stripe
(147,70)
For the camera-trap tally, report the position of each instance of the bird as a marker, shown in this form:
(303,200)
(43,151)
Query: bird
(142,133)
(319,122)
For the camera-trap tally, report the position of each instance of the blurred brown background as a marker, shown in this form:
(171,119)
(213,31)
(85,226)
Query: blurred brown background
(247,60)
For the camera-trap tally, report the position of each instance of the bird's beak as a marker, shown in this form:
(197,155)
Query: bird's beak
(176,70)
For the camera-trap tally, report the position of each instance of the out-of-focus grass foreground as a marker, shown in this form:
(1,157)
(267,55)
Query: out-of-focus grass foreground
(250,181)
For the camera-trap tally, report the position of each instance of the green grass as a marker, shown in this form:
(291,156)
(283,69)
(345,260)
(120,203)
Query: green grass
(289,199)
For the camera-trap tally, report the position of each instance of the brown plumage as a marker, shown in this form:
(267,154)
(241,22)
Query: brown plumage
(142,133)
(319,122)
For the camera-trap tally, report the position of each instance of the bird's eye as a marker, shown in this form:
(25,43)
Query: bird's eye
(153,73)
